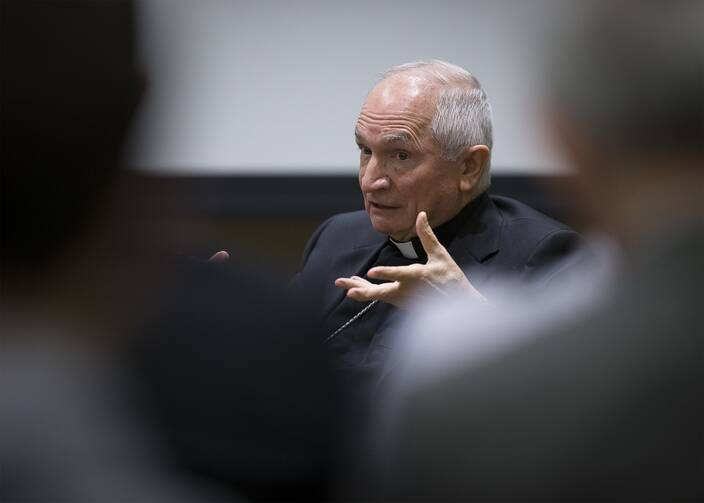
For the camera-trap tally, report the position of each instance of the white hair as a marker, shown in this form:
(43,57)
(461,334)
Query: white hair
(462,115)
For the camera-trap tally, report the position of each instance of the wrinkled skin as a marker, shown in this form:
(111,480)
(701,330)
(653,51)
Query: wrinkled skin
(401,169)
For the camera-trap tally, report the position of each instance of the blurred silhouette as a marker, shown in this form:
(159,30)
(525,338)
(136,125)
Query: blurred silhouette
(238,384)
(129,373)
(596,395)
(70,85)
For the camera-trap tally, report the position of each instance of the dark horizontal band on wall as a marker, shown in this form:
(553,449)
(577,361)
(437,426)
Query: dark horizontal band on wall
(320,196)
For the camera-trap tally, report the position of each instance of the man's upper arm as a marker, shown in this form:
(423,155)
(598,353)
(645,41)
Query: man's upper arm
(298,278)
(312,242)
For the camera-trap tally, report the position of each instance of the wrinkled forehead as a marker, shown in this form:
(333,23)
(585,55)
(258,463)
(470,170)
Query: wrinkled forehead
(402,105)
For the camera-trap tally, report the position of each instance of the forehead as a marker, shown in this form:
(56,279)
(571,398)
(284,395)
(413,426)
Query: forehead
(400,105)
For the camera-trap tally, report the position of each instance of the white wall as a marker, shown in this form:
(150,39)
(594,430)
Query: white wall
(275,86)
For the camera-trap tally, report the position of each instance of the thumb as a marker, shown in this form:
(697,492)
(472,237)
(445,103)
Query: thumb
(427,237)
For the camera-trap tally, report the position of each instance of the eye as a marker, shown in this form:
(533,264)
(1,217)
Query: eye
(364,149)
(401,156)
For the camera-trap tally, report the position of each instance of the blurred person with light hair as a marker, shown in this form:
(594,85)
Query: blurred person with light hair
(594,394)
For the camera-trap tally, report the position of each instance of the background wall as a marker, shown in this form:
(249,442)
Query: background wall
(251,104)
(274,86)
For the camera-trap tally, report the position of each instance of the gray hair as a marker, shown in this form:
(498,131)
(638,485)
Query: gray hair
(462,115)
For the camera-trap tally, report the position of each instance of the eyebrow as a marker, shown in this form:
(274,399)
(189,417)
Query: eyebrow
(396,138)
(401,137)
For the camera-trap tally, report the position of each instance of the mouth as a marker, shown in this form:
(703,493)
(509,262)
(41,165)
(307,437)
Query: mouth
(378,206)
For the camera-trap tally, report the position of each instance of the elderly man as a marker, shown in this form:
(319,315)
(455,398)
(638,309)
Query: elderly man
(424,135)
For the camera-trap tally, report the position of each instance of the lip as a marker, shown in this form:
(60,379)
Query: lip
(378,206)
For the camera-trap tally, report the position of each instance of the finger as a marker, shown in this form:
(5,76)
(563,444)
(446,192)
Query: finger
(396,273)
(373,292)
(219,257)
(427,237)
(352,282)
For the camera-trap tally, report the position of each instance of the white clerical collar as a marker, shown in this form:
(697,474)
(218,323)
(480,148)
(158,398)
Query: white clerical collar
(406,248)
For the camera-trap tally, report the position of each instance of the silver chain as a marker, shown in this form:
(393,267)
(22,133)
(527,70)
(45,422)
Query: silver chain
(350,321)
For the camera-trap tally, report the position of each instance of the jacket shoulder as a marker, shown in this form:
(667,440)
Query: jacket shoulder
(534,243)
(352,229)
(520,214)
(344,231)
(526,227)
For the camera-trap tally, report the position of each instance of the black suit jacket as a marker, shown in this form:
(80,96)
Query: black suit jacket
(496,237)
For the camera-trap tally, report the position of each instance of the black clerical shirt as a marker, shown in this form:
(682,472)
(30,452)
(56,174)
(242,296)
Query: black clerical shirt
(353,346)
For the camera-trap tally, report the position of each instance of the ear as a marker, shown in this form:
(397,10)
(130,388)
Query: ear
(473,161)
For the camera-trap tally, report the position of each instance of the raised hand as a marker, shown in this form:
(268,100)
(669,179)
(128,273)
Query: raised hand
(439,274)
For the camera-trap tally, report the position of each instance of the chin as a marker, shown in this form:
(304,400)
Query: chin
(383,226)
(388,228)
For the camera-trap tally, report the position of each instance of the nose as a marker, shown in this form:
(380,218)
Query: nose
(372,177)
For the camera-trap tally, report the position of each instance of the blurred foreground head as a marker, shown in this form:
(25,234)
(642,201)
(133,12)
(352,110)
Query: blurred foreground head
(70,86)
(625,84)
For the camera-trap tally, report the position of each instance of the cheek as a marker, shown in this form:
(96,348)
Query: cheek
(417,190)
(435,194)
